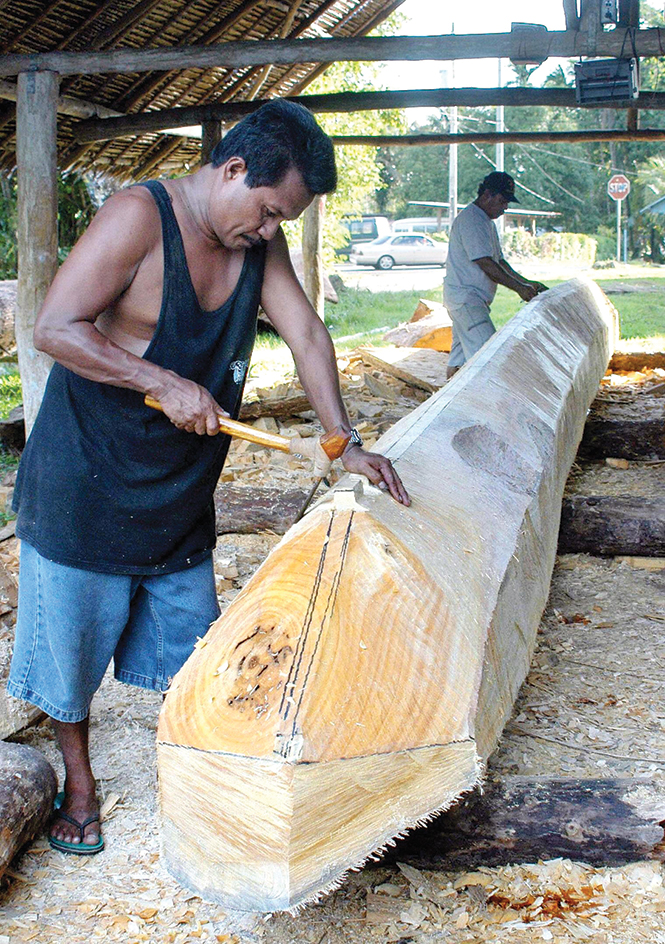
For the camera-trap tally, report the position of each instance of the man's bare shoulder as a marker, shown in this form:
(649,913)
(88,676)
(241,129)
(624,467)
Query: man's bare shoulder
(134,209)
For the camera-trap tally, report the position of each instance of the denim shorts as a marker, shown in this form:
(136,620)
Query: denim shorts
(72,622)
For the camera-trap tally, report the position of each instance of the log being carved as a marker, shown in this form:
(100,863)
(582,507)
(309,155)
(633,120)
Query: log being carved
(360,680)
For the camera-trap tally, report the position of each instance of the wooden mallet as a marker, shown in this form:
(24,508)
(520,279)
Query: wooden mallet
(322,450)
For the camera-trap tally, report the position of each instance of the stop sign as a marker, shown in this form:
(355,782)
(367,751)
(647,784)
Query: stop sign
(618,187)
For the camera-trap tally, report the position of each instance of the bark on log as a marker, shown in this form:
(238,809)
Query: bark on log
(612,525)
(27,790)
(602,822)
(624,431)
(637,361)
(434,332)
(247,510)
(359,681)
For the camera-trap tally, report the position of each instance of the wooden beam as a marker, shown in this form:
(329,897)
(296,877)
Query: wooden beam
(65,104)
(233,55)
(363,676)
(571,14)
(37,174)
(342,102)
(522,819)
(610,526)
(623,432)
(493,137)
(211,135)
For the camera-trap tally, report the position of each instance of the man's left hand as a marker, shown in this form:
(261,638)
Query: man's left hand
(378,469)
(539,287)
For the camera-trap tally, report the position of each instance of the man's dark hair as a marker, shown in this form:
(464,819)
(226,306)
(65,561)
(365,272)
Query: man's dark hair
(277,136)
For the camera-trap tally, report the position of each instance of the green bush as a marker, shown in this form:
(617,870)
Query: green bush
(550,247)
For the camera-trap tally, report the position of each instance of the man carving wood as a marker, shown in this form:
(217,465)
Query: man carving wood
(114,500)
(475,266)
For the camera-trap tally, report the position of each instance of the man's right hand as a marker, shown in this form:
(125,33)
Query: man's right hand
(190,407)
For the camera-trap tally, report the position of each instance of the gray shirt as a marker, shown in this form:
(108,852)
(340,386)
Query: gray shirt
(473,235)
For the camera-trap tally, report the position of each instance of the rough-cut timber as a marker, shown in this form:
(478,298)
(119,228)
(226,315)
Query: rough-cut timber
(359,681)
(244,509)
(27,790)
(435,332)
(625,431)
(612,525)
(521,819)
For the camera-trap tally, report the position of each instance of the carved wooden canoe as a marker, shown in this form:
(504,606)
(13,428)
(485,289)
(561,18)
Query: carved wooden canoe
(362,677)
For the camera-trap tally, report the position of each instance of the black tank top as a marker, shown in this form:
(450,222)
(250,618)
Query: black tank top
(108,484)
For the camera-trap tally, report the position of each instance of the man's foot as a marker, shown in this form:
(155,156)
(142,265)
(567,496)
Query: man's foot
(75,823)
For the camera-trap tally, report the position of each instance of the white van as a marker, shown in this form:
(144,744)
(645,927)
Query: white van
(416,224)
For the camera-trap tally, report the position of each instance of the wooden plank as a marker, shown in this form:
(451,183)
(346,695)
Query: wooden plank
(518,44)
(612,525)
(519,819)
(419,368)
(37,231)
(359,681)
(289,405)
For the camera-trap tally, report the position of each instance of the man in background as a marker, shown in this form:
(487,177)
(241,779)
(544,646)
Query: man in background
(476,266)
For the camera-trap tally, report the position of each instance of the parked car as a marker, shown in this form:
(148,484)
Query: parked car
(404,249)
(363,230)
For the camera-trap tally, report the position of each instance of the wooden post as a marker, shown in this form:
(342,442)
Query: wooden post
(37,171)
(590,23)
(362,677)
(571,14)
(312,253)
(210,137)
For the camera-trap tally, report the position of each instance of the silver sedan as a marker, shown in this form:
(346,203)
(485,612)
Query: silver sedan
(402,249)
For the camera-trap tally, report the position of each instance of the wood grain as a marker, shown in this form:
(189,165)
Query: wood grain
(380,647)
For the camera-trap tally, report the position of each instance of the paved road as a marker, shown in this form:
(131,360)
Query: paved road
(399,279)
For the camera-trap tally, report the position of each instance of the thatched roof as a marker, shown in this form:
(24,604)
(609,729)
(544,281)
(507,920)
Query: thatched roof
(31,26)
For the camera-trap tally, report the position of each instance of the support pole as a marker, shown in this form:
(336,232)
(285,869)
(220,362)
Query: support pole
(211,135)
(618,202)
(312,253)
(37,173)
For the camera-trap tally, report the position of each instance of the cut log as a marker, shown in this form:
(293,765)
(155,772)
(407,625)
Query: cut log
(248,509)
(611,525)
(8,291)
(625,431)
(637,361)
(27,790)
(434,332)
(423,369)
(289,405)
(602,822)
(359,681)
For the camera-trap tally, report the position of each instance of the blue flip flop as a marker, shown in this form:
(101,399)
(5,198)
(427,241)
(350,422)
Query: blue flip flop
(76,848)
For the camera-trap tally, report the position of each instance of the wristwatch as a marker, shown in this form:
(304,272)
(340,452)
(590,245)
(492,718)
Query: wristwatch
(356,438)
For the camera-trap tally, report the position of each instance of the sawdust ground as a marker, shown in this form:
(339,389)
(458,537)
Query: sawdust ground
(592,706)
